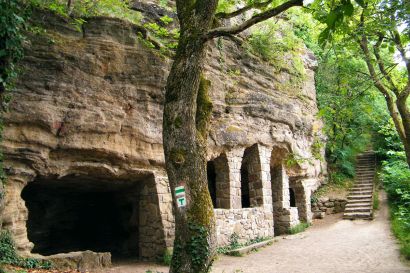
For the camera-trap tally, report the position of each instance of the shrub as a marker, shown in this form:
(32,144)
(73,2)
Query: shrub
(396,177)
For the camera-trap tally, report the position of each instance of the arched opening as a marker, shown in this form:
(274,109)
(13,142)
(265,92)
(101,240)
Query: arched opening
(211,174)
(292,197)
(245,198)
(218,182)
(251,178)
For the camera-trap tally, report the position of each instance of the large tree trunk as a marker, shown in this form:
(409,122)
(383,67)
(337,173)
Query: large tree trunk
(186,115)
(405,118)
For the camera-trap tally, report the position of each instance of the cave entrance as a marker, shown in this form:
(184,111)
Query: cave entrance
(80,213)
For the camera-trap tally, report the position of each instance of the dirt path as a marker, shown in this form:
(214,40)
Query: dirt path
(330,246)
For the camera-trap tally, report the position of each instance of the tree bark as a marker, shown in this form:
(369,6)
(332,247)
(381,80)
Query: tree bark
(396,100)
(185,120)
(403,109)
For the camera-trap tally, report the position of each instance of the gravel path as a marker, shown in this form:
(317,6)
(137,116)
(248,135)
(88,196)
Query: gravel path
(332,245)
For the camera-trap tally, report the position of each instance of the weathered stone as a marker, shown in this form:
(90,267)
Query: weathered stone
(81,260)
(88,108)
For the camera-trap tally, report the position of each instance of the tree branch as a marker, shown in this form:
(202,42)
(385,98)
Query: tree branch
(228,15)
(397,40)
(382,68)
(363,43)
(224,31)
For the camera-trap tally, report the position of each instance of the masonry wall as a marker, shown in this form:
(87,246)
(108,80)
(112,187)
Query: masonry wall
(247,224)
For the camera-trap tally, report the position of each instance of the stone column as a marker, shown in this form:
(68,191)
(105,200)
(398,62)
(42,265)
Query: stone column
(234,158)
(264,157)
(223,186)
(285,216)
(156,224)
(165,207)
(303,203)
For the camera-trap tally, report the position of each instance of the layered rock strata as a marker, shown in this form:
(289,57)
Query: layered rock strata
(86,120)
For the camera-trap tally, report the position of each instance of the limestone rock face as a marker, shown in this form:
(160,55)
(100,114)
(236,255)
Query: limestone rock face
(89,105)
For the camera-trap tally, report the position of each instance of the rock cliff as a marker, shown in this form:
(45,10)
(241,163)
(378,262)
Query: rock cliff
(87,114)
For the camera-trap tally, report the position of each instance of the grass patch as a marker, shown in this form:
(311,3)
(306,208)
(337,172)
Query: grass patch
(234,244)
(298,228)
(376,201)
(402,232)
(167,257)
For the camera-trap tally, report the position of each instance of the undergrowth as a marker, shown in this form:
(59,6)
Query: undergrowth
(9,256)
(396,178)
(82,9)
(298,228)
(235,244)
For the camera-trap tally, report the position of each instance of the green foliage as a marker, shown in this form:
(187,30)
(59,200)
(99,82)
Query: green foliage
(402,232)
(235,244)
(317,147)
(302,226)
(376,201)
(275,42)
(13,15)
(198,246)
(90,8)
(12,23)
(167,257)
(169,38)
(8,254)
(293,160)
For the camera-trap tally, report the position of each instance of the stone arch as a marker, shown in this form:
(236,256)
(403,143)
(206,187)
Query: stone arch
(251,178)
(219,182)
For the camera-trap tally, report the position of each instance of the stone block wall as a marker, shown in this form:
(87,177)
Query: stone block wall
(247,223)
(325,206)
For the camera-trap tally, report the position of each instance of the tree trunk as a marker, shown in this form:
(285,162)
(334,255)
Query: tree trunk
(186,114)
(405,118)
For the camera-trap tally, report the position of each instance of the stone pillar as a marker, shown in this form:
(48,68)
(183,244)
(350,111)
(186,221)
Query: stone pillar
(303,203)
(234,158)
(223,186)
(264,157)
(253,164)
(165,207)
(285,216)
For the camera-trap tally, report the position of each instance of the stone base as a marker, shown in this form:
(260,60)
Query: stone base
(247,224)
(81,260)
(288,218)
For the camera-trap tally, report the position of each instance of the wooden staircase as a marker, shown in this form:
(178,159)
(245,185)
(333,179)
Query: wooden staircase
(360,198)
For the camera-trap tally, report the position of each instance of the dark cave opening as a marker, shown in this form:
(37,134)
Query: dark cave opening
(78,213)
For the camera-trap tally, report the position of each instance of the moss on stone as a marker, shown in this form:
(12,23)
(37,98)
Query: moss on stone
(233,129)
(204,107)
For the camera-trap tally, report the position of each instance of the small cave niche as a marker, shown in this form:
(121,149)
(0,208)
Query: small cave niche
(78,213)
